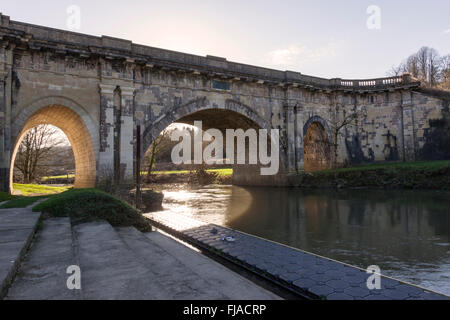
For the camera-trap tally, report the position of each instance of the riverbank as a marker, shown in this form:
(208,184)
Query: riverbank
(430,175)
(194,177)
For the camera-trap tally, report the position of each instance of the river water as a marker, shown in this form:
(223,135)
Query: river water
(405,233)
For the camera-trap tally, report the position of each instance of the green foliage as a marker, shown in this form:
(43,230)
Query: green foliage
(395,166)
(87,205)
(433,175)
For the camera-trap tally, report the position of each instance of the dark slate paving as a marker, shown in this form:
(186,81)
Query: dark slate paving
(318,277)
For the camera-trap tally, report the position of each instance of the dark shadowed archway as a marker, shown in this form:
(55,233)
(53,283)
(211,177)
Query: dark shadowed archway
(317,146)
(232,116)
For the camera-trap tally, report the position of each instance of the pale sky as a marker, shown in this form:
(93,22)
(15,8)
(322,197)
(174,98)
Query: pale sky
(321,38)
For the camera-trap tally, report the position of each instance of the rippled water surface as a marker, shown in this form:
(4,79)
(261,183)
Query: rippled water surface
(406,233)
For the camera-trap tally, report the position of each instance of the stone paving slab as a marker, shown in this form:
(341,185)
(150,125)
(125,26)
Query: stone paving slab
(43,273)
(17,227)
(303,272)
(186,274)
(109,269)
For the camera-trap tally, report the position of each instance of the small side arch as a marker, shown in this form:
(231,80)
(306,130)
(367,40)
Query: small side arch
(317,145)
(322,122)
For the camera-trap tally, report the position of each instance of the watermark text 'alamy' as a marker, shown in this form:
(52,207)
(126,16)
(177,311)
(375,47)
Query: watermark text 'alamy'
(236,148)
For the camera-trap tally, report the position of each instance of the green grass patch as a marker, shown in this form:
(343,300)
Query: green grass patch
(393,166)
(70,176)
(431,175)
(21,202)
(33,189)
(4,196)
(87,205)
(220,172)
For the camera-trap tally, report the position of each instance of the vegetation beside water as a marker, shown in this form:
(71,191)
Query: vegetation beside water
(433,175)
(220,172)
(88,205)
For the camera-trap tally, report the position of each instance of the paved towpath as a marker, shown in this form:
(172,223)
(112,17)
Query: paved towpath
(303,272)
(115,263)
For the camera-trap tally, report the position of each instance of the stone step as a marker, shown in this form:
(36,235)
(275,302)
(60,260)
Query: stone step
(188,274)
(42,275)
(110,270)
(17,228)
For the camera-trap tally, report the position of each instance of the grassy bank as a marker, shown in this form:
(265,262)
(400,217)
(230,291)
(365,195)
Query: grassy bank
(70,176)
(87,205)
(212,176)
(34,189)
(220,172)
(433,175)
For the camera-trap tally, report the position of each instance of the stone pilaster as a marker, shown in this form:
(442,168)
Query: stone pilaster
(291,137)
(127,133)
(300,149)
(106,157)
(409,136)
(4,125)
(6,60)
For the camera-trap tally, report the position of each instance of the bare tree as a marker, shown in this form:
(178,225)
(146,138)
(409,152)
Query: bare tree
(160,144)
(37,144)
(445,72)
(425,65)
(342,119)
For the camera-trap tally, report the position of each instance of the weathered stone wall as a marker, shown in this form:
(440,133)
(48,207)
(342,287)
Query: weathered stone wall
(106,82)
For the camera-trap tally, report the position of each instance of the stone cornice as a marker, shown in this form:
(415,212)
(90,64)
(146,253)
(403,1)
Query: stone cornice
(107,88)
(127,91)
(32,37)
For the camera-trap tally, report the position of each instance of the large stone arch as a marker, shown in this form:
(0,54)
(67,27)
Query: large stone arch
(318,141)
(229,115)
(74,121)
(181,112)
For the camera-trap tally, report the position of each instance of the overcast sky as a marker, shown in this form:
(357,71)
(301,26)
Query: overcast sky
(322,38)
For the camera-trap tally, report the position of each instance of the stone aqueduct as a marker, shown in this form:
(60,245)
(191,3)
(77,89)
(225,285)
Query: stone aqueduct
(93,88)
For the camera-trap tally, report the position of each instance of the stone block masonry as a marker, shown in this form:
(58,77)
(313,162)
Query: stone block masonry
(105,81)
